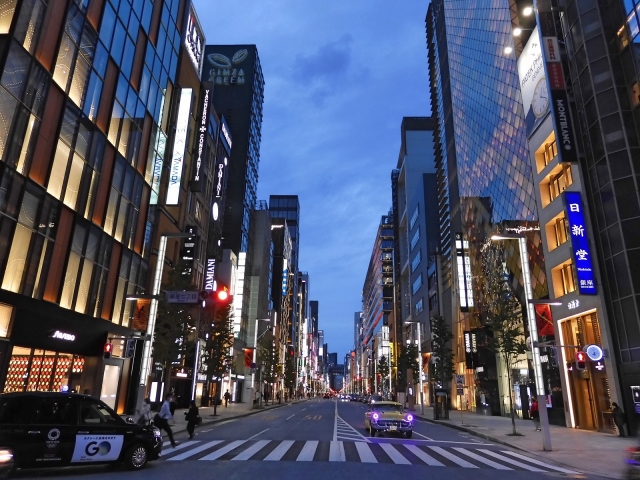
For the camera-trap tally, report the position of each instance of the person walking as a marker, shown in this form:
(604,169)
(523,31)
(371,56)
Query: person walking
(227,397)
(145,413)
(192,417)
(534,411)
(618,418)
(162,419)
(279,397)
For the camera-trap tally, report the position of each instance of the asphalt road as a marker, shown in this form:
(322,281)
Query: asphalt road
(324,439)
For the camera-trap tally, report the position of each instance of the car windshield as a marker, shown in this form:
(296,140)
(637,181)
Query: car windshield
(376,398)
(389,408)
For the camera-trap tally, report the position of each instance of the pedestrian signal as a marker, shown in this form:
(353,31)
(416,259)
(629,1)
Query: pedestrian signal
(581,360)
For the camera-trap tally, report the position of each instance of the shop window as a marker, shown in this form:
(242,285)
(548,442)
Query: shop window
(564,279)
(557,231)
(559,182)
(5,318)
(17,259)
(7,10)
(39,370)
(547,152)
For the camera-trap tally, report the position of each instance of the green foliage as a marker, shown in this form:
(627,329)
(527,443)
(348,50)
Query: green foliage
(267,357)
(217,356)
(502,313)
(383,368)
(444,367)
(407,359)
(175,324)
(290,373)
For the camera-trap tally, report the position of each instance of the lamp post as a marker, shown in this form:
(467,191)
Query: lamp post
(533,332)
(153,311)
(419,365)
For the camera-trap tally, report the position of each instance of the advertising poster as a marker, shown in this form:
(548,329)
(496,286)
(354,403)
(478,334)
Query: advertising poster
(141,315)
(97,448)
(544,321)
(533,83)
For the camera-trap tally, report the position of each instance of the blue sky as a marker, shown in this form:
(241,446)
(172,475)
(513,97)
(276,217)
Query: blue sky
(340,75)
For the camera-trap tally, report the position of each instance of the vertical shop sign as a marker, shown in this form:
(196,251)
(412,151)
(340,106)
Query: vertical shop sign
(179,145)
(465,282)
(580,241)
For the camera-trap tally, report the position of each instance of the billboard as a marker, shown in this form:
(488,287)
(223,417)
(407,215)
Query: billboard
(580,242)
(533,83)
(194,40)
(224,68)
(179,146)
(199,166)
(465,280)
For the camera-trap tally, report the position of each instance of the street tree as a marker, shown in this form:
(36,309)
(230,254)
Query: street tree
(383,370)
(217,357)
(407,360)
(267,359)
(174,334)
(444,367)
(290,374)
(502,313)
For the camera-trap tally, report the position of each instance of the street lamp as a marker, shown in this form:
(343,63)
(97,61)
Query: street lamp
(419,364)
(533,333)
(153,311)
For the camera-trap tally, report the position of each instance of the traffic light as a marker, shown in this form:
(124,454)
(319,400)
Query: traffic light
(290,351)
(581,360)
(130,349)
(223,297)
(108,348)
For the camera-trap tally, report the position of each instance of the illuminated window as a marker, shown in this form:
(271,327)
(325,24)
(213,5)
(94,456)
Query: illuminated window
(559,182)
(564,279)
(550,152)
(561,229)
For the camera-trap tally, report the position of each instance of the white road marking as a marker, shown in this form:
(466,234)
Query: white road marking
(428,459)
(423,436)
(394,454)
(452,457)
(252,450)
(366,455)
(224,450)
(291,416)
(196,450)
(279,451)
(511,461)
(226,421)
(537,462)
(335,424)
(251,438)
(304,409)
(179,447)
(480,459)
(308,451)
(336,452)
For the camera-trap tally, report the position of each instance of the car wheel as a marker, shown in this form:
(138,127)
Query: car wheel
(136,457)
(409,434)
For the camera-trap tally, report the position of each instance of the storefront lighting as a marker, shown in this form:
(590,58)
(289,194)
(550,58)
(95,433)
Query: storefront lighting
(508,50)
(527,11)
(517,32)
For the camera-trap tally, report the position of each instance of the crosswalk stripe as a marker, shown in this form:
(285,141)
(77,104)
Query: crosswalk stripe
(279,451)
(510,460)
(394,454)
(252,450)
(336,452)
(195,451)
(179,447)
(538,462)
(426,458)
(366,455)
(452,457)
(223,451)
(480,459)
(308,451)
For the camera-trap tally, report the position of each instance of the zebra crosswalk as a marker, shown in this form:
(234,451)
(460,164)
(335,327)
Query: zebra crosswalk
(357,451)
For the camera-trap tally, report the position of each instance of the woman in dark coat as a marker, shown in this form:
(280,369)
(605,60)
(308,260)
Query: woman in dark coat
(618,418)
(192,418)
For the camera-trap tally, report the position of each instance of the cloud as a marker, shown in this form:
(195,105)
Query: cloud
(330,62)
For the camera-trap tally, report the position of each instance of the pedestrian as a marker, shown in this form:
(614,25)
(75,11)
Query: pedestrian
(162,419)
(145,413)
(227,397)
(534,411)
(619,418)
(192,417)
(278,397)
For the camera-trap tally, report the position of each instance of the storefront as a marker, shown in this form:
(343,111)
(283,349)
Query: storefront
(49,349)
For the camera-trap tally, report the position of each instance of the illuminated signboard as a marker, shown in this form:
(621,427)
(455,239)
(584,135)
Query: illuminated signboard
(188,250)
(225,133)
(470,349)
(210,274)
(465,282)
(580,242)
(179,144)
(227,71)
(201,149)
(194,40)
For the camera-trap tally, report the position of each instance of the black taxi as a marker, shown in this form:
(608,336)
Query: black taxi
(60,429)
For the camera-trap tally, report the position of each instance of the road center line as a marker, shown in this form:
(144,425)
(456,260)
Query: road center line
(291,416)
(250,438)
(423,436)
(304,409)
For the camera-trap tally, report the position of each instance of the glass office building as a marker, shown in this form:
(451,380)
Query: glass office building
(482,161)
(83,121)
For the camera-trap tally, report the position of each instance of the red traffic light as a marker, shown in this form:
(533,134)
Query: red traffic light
(223,296)
(581,360)
(108,348)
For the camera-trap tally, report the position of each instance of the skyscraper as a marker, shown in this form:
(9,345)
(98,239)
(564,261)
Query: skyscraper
(482,161)
(238,95)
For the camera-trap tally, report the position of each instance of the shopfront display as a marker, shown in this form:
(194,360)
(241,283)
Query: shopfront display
(35,370)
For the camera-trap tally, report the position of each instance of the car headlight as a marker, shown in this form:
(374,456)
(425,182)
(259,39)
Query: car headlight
(6,455)
(375,417)
(409,418)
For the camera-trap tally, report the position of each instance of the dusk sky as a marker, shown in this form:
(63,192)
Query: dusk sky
(339,75)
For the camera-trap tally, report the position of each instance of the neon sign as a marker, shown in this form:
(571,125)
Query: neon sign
(580,242)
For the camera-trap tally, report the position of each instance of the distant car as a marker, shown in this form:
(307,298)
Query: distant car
(375,399)
(326,395)
(39,429)
(388,417)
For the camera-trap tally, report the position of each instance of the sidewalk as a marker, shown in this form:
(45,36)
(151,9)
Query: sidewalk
(586,451)
(234,410)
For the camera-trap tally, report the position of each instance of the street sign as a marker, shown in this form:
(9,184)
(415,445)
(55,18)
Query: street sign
(460,380)
(181,297)
(460,391)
